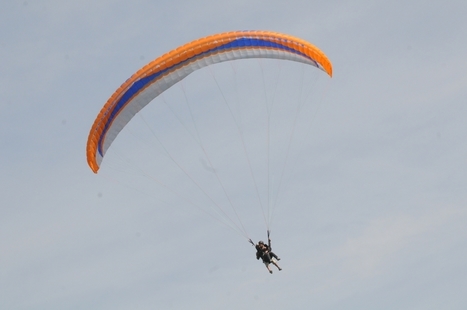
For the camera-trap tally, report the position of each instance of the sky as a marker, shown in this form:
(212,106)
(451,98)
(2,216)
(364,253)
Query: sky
(374,215)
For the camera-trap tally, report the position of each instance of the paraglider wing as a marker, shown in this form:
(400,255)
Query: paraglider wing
(170,68)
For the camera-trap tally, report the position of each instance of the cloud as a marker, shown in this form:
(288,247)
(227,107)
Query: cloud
(386,241)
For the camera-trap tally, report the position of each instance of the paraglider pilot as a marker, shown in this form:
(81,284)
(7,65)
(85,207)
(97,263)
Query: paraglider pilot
(264,251)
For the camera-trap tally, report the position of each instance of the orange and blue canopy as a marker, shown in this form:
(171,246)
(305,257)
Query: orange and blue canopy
(165,71)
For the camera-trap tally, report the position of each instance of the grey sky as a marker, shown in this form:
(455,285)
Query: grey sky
(377,215)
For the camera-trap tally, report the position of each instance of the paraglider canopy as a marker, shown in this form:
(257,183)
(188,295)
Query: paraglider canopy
(170,68)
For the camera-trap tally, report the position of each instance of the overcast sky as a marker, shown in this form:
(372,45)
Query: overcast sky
(375,215)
